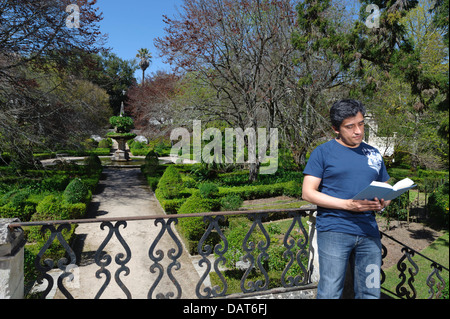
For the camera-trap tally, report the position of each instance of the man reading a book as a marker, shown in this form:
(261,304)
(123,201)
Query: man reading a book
(346,229)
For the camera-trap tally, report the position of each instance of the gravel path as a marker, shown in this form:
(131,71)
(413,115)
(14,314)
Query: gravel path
(124,193)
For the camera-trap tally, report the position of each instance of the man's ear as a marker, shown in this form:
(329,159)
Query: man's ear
(336,130)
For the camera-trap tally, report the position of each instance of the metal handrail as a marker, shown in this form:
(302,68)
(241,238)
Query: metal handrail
(154,217)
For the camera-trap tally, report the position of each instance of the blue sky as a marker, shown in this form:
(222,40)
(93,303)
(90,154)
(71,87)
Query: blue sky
(134,24)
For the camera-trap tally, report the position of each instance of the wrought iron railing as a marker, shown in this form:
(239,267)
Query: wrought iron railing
(255,254)
(296,245)
(408,271)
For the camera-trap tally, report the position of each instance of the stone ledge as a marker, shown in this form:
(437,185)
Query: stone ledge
(10,241)
(303,292)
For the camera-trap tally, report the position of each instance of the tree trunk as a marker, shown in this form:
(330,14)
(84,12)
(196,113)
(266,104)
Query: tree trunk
(253,171)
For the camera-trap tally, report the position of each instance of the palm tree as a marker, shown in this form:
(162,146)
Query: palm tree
(145,57)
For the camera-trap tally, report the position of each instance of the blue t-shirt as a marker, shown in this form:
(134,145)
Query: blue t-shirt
(345,172)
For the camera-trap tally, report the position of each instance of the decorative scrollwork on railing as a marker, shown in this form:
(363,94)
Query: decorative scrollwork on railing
(255,248)
(401,266)
(173,255)
(249,248)
(120,258)
(156,257)
(431,281)
(383,255)
(405,289)
(220,250)
(49,264)
(289,243)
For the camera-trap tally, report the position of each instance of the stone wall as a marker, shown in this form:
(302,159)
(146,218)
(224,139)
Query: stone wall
(11,261)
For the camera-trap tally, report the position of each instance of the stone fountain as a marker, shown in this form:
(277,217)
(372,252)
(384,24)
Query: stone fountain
(123,125)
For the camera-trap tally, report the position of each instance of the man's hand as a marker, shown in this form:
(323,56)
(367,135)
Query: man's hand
(368,205)
(312,195)
(365,205)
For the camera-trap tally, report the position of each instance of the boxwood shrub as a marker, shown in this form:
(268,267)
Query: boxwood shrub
(52,207)
(76,192)
(170,185)
(193,228)
(150,168)
(16,204)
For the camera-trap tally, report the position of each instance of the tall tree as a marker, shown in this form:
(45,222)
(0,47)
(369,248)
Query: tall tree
(397,109)
(145,56)
(35,46)
(150,104)
(231,47)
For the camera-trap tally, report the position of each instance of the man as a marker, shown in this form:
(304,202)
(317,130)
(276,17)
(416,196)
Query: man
(346,229)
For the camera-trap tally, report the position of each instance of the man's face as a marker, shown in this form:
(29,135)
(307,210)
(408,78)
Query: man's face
(351,131)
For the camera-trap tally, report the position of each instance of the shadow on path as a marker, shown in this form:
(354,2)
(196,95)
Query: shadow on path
(124,193)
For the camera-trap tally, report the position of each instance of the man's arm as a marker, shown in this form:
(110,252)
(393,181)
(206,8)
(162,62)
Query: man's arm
(310,193)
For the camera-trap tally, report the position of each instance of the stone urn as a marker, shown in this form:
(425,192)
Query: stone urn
(123,125)
(121,155)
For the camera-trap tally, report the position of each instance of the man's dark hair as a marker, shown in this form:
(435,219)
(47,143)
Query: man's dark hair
(344,109)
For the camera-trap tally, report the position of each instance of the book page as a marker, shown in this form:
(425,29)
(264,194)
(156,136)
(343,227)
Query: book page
(404,183)
(381,184)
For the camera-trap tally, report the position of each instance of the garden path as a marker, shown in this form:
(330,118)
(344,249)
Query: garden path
(123,193)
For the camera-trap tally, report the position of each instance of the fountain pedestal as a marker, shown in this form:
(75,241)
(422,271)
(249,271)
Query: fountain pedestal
(121,155)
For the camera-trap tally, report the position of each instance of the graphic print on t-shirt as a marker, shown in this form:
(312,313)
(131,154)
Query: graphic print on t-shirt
(374,158)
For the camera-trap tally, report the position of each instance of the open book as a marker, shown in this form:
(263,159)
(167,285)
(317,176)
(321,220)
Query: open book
(385,191)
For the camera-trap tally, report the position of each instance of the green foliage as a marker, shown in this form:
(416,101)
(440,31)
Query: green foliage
(49,209)
(262,191)
(208,190)
(30,271)
(231,202)
(139,148)
(438,205)
(398,208)
(189,182)
(15,204)
(203,172)
(192,229)
(76,192)
(55,183)
(170,185)
(93,162)
(52,207)
(235,235)
(170,206)
(123,124)
(105,143)
(151,165)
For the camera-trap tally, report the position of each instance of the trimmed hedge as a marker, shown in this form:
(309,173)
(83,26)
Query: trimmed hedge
(52,207)
(170,185)
(150,168)
(291,188)
(76,192)
(192,229)
(208,190)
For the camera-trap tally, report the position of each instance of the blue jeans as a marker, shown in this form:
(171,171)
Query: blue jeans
(364,255)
